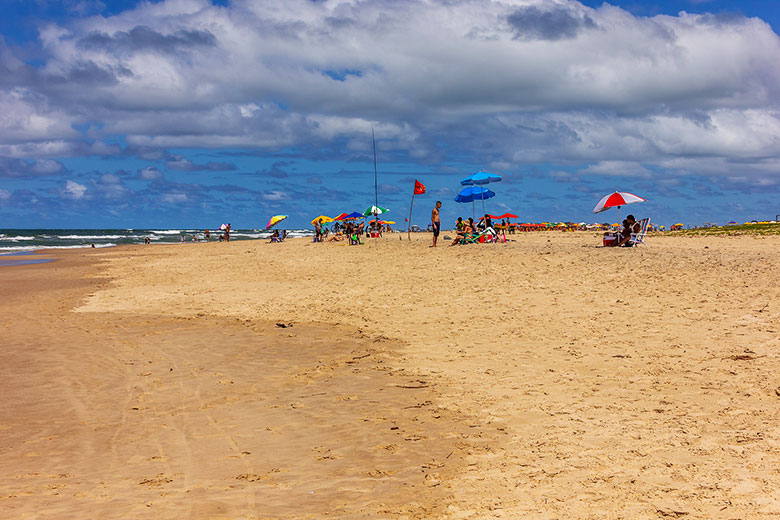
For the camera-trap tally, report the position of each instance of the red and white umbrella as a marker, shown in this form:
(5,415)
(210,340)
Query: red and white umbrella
(617,199)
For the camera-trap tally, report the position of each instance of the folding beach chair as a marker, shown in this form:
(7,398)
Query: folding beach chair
(488,234)
(639,238)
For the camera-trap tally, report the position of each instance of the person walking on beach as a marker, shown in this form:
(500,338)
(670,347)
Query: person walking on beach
(436,222)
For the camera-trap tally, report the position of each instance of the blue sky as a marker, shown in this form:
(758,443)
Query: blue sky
(189,113)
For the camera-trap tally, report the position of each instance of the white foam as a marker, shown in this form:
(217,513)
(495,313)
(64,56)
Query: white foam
(37,248)
(93,237)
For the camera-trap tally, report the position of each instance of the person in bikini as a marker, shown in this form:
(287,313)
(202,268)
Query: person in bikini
(469,228)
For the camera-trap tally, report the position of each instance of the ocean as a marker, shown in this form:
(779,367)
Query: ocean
(19,240)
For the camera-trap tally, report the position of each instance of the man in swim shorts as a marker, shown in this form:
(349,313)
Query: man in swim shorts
(436,222)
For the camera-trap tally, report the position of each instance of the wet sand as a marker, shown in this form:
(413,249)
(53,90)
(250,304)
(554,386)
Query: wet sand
(543,378)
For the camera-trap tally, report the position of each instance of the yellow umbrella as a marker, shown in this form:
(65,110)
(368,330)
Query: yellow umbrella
(322,220)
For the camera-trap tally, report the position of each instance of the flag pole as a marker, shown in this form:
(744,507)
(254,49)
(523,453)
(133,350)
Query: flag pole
(409,226)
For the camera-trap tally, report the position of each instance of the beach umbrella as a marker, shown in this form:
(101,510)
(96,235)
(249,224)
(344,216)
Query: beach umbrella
(615,200)
(274,221)
(323,219)
(341,216)
(374,210)
(473,193)
(732,223)
(480,178)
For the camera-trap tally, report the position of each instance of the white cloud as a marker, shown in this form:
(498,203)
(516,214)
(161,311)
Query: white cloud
(174,198)
(618,168)
(150,173)
(275,195)
(74,190)
(5,194)
(27,116)
(500,82)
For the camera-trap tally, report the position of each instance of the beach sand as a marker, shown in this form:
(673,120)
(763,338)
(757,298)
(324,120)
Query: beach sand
(544,378)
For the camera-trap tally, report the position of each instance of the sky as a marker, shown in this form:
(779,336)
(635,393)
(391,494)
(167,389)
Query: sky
(191,113)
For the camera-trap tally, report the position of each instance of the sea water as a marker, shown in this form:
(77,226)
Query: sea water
(15,240)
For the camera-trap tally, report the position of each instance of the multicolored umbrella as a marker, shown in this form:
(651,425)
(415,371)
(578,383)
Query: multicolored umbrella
(274,221)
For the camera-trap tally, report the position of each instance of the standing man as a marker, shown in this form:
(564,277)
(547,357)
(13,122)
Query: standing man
(436,222)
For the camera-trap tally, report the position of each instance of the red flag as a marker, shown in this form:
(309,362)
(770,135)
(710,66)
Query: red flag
(419,187)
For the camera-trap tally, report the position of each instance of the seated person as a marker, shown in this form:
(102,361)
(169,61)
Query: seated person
(485,222)
(469,228)
(275,236)
(630,225)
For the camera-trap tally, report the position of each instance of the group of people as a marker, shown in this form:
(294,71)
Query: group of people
(277,236)
(223,237)
(341,231)
(351,230)
(465,228)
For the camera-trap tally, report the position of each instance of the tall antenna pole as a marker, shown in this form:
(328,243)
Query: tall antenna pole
(376,184)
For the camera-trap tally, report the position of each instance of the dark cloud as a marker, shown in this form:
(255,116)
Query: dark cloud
(15,72)
(557,23)
(181,163)
(143,38)
(88,73)
(11,168)
(276,170)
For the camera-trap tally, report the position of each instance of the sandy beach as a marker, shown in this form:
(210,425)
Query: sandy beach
(543,378)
